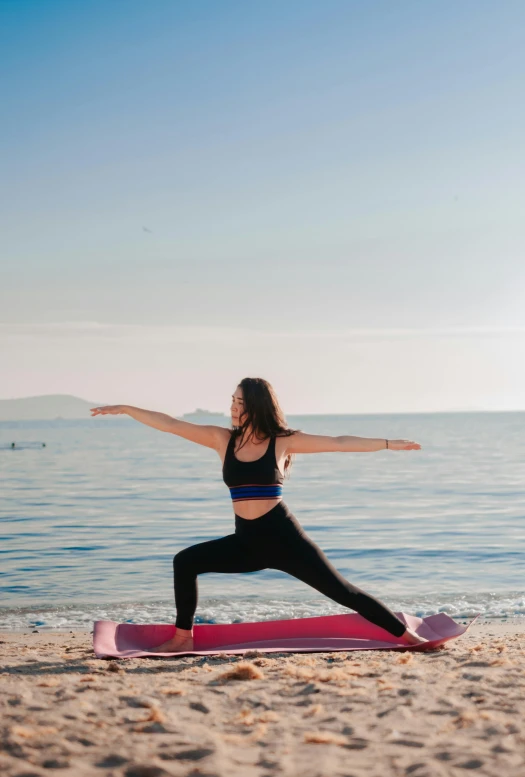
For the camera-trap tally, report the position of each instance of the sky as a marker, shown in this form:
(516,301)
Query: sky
(326,194)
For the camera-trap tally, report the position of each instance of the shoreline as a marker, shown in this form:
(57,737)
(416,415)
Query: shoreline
(511,622)
(380,713)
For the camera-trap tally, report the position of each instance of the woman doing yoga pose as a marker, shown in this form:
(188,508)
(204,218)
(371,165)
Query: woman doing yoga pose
(256,454)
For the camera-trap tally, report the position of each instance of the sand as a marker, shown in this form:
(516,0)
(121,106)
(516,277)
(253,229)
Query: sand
(457,710)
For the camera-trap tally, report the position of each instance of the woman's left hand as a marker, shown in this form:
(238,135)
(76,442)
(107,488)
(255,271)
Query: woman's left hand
(403,445)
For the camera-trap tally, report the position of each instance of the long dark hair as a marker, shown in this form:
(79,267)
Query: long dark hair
(263,414)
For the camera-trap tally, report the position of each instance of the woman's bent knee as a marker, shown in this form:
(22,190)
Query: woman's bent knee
(182,558)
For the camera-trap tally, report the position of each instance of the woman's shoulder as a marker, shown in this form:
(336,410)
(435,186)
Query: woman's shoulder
(282,440)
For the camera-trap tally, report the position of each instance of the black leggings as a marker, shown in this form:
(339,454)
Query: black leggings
(275,540)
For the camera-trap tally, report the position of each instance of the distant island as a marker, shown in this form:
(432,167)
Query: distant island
(48,407)
(57,407)
(200,413)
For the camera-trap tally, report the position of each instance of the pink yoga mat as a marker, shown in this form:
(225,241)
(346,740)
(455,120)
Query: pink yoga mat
(327,633)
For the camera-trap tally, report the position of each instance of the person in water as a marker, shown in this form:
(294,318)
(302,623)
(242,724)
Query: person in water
(256,455)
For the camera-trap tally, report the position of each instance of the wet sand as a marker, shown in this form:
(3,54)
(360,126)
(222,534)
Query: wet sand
(457,710)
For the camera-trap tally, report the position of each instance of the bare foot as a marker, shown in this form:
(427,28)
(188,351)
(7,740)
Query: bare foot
(174,645)
(412,638)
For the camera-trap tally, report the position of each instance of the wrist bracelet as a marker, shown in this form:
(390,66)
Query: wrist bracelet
(386,443)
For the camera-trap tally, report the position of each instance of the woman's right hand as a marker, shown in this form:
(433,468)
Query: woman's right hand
(111,409)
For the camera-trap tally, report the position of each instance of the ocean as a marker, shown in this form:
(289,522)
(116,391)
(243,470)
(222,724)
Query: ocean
(89,524)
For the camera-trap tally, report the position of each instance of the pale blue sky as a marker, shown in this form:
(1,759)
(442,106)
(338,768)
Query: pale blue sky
(307,170)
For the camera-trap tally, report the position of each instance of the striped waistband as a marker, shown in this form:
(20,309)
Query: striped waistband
(245,493)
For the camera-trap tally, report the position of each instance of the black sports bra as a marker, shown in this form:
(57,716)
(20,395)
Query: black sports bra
(247,480)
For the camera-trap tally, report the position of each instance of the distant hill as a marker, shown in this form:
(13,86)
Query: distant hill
(45,408)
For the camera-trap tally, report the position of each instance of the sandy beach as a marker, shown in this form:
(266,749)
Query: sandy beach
(454,711)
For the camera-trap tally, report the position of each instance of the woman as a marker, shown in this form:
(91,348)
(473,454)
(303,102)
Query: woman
(256,455)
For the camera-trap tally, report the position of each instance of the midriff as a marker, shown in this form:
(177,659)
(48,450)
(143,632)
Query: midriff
(251,509)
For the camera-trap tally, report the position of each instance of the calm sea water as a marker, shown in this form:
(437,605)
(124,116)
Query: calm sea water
(90,523)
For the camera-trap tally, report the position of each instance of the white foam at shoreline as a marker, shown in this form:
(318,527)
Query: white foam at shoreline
(236,610)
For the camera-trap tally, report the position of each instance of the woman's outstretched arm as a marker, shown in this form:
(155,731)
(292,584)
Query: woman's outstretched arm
(319,443)
(207,435)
